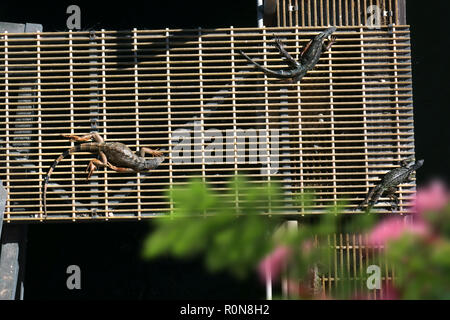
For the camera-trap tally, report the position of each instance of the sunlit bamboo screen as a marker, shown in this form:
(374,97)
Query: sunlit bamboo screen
(314,13)
(190,93)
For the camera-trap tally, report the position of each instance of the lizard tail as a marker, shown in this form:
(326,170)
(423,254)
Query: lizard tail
(277,74)
(80,147)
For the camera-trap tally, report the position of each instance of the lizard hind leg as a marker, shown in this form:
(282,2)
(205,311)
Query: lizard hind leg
(120,169)
(394,198)
(92,164)
(378,192)
(291,61)
(88,137)
(367,199)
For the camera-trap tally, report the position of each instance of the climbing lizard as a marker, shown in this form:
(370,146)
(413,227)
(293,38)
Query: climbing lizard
(309,57)
(388,184)
(114,155)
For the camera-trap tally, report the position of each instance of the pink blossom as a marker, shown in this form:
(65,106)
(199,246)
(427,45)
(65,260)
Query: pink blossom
(393,228)
(270,267)
(390,292)
(431,198)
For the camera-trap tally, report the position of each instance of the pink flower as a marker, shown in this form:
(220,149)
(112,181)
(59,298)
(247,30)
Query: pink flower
(431,198)
(270,267)
(390,292)
(393,228)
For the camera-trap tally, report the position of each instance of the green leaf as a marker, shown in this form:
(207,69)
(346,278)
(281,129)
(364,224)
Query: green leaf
(159,242)
(227,241)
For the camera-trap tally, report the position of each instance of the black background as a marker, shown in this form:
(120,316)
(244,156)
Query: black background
(109,253)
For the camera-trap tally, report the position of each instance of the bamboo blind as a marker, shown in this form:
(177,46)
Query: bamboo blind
(337,12)
(349,259)
(336,131)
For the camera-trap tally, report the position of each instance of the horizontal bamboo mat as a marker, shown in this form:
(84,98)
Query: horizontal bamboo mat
(190,93)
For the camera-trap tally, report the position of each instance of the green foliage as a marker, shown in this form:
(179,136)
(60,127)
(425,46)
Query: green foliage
(423,267)
(228,228)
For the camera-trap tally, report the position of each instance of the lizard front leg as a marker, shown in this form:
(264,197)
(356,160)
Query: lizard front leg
(330,43)
(406,162)
(306,48)
(154,153)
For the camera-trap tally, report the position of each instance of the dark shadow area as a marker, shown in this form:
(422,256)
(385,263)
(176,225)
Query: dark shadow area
(430,85)
(113,15)
(109,257)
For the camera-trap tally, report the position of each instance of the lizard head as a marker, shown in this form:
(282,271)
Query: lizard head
(418,164)
(325,35)
(414,165)
(152,163)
